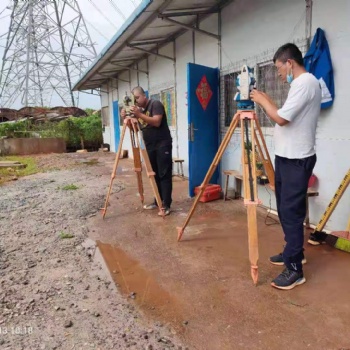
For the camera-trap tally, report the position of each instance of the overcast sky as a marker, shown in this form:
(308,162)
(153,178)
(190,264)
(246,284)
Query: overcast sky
(102,26)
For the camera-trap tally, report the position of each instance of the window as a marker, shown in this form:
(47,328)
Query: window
(230,89)
(269,82)
(167,97)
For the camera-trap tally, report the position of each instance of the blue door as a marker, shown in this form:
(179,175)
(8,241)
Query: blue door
(116,124)
(203,122)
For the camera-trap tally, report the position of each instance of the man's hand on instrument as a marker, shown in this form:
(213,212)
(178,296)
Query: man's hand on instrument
(135,111)
(258,97)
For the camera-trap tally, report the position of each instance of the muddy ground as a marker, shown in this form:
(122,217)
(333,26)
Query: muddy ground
(148,291)
(54,291)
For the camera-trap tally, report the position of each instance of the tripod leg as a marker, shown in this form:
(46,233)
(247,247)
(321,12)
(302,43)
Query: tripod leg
(210,173)
(250,193)
(253,242)
(117,157)
(137,163)
(149,170)
(264,153)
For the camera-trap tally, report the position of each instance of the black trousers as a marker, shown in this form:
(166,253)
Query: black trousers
(162,165)
(291,183)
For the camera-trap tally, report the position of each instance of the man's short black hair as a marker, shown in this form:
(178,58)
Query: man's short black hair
(289,52)
(139,89)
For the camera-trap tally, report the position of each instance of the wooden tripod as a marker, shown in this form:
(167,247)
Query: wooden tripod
(254,137)
(138,149)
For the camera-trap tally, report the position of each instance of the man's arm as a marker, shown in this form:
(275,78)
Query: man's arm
(157,111)
(269,106)
(156,120)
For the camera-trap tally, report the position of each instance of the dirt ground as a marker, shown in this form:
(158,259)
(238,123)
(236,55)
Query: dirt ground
(196,293)
(54,291)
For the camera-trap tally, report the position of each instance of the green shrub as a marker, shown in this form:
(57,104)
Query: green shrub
(78,133)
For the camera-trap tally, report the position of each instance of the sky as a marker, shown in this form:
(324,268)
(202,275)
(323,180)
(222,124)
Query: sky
(102,24)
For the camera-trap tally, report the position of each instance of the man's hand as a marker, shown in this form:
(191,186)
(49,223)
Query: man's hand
(259,97)
(270,107)
(123,113)
(135,111)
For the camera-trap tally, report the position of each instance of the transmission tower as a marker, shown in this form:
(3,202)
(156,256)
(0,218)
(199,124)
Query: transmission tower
(47,48)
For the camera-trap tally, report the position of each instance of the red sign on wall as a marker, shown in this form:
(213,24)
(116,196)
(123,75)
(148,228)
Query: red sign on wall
(204,92)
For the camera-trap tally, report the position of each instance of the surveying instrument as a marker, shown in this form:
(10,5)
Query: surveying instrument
(253,146)
(138,150)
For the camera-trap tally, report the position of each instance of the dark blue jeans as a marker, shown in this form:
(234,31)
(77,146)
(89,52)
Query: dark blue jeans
(291,183)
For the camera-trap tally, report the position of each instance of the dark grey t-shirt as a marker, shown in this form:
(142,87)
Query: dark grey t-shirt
(156,136)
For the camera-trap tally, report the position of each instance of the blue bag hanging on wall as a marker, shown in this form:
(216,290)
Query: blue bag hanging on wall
(318,62)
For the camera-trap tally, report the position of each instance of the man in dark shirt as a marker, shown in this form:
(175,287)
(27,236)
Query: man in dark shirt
(156,134)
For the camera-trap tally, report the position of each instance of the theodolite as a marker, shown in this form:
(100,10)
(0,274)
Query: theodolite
(245,84)
(128,102)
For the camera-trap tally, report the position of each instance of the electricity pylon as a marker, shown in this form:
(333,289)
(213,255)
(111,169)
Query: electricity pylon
(47,49)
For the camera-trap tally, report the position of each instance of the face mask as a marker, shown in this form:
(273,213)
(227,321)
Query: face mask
(290,77)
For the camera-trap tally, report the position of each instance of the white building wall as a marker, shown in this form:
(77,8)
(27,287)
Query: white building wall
(192,48)
(184,55)
(105,103)
(333,134)
(162,77)
(207,47)
(142,78)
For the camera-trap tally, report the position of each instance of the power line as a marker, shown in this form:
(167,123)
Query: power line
(93,27)
(4,16)
(117,9)
(105,17)
(3,10)
(134,3)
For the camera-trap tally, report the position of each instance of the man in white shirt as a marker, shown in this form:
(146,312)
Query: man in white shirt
(294,135)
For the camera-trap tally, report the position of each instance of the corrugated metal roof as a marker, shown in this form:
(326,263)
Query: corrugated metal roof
(152,25)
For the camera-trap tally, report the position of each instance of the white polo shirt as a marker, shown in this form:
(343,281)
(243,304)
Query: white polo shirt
(302,109)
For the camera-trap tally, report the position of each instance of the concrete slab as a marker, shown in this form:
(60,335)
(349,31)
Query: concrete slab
(11,164)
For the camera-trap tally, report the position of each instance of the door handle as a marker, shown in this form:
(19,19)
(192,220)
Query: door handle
(191,131)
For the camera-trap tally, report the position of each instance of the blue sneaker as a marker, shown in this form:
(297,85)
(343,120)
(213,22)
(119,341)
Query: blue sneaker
(288,279)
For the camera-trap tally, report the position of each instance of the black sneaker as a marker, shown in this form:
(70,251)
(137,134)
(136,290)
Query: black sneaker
(288,279)
(278,260)
(317,238)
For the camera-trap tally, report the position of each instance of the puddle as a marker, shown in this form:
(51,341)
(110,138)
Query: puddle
(140,286)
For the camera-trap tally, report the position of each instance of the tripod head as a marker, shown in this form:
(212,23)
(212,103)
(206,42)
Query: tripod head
(245,84)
